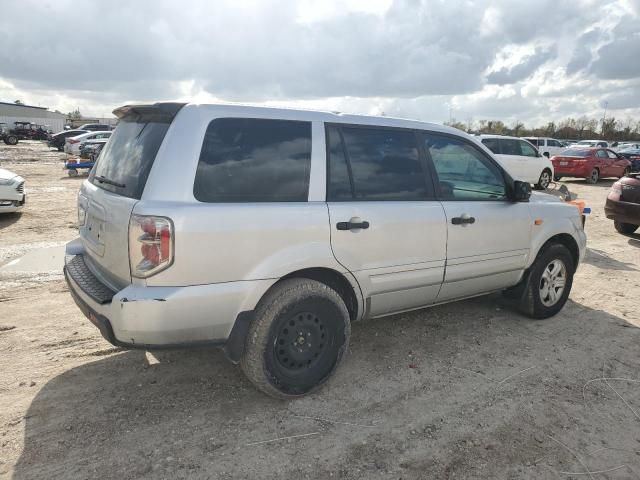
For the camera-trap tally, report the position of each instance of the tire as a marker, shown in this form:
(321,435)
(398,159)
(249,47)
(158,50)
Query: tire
(544,180)
(279,361)
(11,140)
(625,228)
(626,172)
(72,173)
(546,154)
(594,176)
(538,302)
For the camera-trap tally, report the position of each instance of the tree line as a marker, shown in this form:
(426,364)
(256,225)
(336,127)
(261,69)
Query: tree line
(580,128)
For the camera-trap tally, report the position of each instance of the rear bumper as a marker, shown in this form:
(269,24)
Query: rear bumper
(160,317)
(580,172)
(623,212)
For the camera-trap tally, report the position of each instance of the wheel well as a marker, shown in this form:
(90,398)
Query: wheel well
(569,242)
(332,279)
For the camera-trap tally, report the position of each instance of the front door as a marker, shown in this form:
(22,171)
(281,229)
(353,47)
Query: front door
(386,226)
(488,236)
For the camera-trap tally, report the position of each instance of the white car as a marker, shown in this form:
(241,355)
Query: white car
(590,144)
(72,144)
(12,197)
(278,228)
(545,145)
(520,159)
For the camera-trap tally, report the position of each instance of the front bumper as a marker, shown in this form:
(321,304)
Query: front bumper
(159,317)
(11,198)
(623,212)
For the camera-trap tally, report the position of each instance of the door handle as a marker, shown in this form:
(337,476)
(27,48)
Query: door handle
(354,224)
(463,219)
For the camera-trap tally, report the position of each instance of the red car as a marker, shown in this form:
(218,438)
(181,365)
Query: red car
(589,163)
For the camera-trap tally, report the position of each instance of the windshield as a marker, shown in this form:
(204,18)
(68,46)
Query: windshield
(575,152)
(125,162)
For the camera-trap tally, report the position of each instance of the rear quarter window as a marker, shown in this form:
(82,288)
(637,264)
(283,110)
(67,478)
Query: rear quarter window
(254,160)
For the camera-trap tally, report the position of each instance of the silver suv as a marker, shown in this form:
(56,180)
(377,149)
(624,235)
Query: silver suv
(268,231)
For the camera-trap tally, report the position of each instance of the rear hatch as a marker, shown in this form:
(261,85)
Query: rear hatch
(116,184)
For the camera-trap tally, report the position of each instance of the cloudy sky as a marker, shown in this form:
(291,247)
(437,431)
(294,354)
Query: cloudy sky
(532,61)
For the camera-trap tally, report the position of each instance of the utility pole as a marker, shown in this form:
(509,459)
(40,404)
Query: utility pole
(604,115)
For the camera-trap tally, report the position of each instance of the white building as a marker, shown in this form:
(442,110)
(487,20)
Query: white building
(12,112)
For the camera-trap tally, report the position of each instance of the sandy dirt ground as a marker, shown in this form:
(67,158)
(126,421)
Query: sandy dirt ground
(466,390)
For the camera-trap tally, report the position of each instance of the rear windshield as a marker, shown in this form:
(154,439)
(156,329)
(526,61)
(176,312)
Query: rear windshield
(575,152)
(125,162)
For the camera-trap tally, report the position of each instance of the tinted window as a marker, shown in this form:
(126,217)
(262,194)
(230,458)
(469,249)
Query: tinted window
(554,143)
(339,184)
(491,144)
(527,150)
(128,156)
(601,154)
(510,147)
(611,154)
(537,142)
(254,160)
(385,164)
(463,172)
(575,152)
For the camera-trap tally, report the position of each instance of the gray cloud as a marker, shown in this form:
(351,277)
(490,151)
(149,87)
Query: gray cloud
(411,60)
(524,69)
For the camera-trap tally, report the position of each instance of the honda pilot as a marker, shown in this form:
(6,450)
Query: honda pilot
(269,231)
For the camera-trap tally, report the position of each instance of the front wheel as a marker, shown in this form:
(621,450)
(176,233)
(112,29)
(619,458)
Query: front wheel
(72,173)
(549,282)
(594,176)
(625,228)
(11,140)
(626,172)
(544,180)
(297,339)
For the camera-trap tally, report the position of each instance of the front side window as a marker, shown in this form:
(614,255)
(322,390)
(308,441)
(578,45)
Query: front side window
(612,154)
(510,146)
(527,150)
(384,164)
(463,172)
(601,154)
(254,160)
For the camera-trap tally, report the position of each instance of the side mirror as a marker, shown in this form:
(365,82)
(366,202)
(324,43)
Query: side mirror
(521,191)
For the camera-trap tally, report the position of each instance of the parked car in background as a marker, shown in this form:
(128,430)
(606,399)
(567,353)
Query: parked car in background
(95,127)
(6,135)
(307,240)
(72,144)
(520,159)
(545,145)
(626,145)
(12,197)
(633,155)
(58,140)
(623,204)
(590,144)
(591,164)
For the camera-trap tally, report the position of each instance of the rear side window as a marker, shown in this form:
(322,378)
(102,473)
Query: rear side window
(527,150)
(125,162)
(384,165)
(575,152)
(254,160)
(491,144)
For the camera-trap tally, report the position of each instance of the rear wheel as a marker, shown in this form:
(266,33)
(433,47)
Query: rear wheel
(594,176)
(549,282)
(625,228)
(298,338)
(544,180)
(72,173)
(11,140)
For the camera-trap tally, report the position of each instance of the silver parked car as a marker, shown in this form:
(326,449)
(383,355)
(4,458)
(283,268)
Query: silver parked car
(268,231)
(12,196)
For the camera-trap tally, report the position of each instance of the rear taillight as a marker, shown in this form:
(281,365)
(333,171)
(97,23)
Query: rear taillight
(616,191)
(74,141)
(150,245)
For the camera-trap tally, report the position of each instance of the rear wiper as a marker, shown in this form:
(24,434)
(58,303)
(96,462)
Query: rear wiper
(102,179)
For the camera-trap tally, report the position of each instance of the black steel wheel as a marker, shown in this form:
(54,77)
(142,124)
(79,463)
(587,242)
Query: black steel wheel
(297,339)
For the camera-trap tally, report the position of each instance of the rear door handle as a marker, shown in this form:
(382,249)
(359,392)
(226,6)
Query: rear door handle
(463,219)
(354,224)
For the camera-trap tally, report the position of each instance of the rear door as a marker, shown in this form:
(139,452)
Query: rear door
(533,161)
(512,159)
(604,163)
(488,236)
(617,164)
(386,226)
(114,186)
